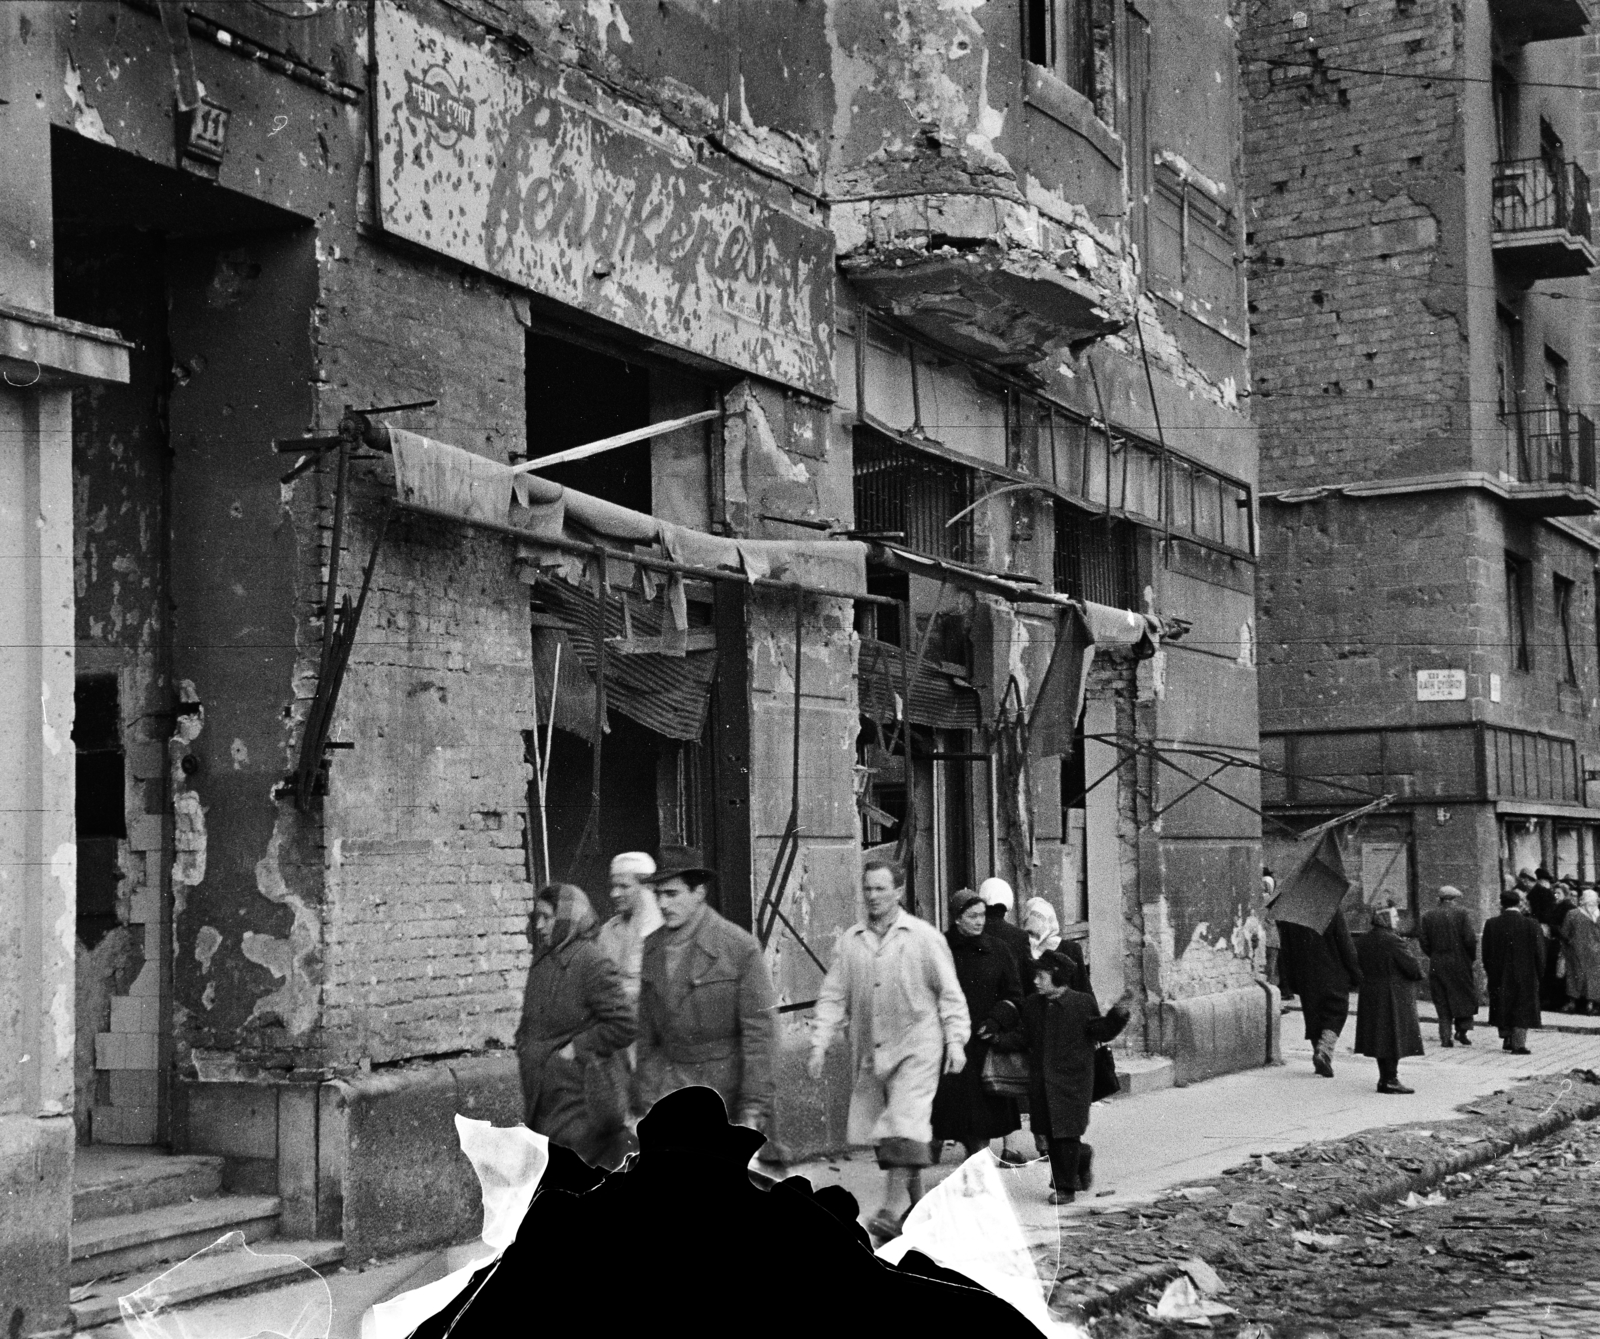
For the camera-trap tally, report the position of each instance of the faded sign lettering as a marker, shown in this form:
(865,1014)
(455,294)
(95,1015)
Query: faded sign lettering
(495,165)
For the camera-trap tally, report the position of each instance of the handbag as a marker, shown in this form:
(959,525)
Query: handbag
(1106,1082)
(1005,1073)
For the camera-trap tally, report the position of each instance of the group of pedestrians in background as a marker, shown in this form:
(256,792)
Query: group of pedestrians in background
(1541,951)
(951,1037)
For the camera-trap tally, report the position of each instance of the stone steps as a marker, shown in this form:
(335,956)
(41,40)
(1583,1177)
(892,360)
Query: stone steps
(224,1274)
(120,1243)
(108,1180)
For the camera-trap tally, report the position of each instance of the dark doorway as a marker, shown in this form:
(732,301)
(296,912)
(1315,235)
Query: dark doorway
(630,758)
(96,734)
(576,396)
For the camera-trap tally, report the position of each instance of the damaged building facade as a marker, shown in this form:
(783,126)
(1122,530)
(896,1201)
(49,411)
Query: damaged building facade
(946,550)
(1422,268)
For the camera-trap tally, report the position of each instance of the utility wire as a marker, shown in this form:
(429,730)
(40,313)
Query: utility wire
(1320,66)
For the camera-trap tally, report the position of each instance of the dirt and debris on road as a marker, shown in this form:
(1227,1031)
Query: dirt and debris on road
(1406,1230)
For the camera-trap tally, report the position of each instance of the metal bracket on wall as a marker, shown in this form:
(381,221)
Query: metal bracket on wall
(339,621)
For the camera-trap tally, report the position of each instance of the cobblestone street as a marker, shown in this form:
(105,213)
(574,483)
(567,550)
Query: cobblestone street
(1505,1248)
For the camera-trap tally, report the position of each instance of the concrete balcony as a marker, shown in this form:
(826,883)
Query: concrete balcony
(1541,220)
(1550,454)
(1539,20)
(986,277)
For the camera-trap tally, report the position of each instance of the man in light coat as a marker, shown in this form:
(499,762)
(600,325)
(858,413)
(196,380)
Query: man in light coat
(893,985)
(707,1012)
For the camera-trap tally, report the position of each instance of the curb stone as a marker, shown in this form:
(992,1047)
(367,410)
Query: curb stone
(1121,1289)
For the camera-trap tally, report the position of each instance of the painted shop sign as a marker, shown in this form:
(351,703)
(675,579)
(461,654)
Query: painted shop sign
(491,164)
(1441,685)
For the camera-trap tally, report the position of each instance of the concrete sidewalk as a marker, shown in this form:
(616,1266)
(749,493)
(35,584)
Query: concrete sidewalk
(1145,1147)
(1149,1145)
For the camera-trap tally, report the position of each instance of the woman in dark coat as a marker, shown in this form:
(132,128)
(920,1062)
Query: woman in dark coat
(1513,958)
(1386,1016)
(1061,1026)
(574,1016)
(962,1110)
(1322,970)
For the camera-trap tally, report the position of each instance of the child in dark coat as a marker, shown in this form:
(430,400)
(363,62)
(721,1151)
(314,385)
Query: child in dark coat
(1061,1026)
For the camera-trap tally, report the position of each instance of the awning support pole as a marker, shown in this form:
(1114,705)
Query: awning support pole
(336,656)
(591,825)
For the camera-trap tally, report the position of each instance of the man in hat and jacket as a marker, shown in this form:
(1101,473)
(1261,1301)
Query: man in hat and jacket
(707,1012)
(1446,935)
(1513,958)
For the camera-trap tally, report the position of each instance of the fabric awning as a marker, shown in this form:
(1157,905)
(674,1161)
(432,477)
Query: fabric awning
(443,478)
(669,694)
(938,699)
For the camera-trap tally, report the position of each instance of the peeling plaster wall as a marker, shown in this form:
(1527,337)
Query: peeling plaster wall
(241,313)
(121,629)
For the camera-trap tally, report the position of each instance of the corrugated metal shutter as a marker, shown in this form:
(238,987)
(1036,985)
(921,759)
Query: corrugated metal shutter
(667,694)
(937,700)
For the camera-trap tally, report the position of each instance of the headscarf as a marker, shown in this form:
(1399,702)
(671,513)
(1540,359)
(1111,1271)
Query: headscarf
(575,918)
(1589,905)
(1042,924)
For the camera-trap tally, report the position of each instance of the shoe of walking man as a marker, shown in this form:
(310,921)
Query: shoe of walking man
(1446,935)
(1513,961)
(893,989)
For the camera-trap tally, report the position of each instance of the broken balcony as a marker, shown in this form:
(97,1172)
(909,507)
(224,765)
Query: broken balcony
(1541,220)
(1539,20)
(1551,463)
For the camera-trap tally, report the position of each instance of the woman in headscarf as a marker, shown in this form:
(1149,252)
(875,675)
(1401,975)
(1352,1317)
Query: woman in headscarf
(1044,935)
(1043,926)
(1580,943)
(576,1024)
(963,1110)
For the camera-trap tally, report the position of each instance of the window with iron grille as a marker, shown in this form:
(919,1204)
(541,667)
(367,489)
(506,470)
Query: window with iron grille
(917,493)
(1096,558)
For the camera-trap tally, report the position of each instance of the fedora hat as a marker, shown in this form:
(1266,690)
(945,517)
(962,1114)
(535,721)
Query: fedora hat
(682,862)
(695,1120)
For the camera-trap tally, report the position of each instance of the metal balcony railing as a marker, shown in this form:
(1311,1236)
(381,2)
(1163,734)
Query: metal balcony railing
(1551,445)
(1539,195)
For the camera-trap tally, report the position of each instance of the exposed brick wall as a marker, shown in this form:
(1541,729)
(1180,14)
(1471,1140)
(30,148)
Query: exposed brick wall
(1356,595)
(426,893)
(1356,239)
